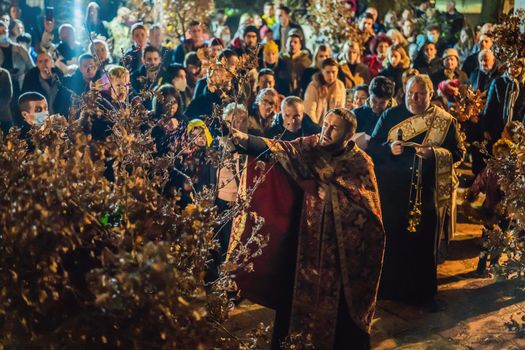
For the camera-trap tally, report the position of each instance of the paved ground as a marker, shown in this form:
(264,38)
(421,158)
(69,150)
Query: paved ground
(475,313)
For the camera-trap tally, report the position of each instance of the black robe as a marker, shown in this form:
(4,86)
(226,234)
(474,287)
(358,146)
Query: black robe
(410,266)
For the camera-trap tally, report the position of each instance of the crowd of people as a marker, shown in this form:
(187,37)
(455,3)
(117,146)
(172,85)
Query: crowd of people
(398,79)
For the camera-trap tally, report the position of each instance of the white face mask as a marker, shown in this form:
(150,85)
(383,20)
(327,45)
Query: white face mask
(40,118)
(180,84)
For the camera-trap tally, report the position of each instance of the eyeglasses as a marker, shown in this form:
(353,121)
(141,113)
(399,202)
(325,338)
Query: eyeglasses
(268,102)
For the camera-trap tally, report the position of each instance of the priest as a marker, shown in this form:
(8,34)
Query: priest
(340,242)
(414,147)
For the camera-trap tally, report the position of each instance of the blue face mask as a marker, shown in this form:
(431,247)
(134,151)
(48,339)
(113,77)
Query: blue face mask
(433,38)
(41,117)
(4,39)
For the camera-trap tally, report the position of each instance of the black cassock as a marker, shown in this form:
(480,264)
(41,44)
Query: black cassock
(410,264)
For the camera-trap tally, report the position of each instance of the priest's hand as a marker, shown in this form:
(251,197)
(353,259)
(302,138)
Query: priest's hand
(424,152)
(396,147)
(239,138)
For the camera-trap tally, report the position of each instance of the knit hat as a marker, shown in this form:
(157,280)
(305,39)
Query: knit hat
(450,52)
(447,87)
(270,47)
(250,29)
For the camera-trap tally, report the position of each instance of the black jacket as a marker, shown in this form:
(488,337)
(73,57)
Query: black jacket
(439,76)
(283,75)
(61,101)
(481,81)
(494,117)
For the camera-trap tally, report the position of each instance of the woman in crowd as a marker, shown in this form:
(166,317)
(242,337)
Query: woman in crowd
(322,52)
(397,62)
(325,92)
(378,48)
(352,72)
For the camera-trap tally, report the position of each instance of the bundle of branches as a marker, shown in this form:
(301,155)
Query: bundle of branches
(334,20)
(86,262)
(177,14)
(510,170)
(468,104)
(509,37)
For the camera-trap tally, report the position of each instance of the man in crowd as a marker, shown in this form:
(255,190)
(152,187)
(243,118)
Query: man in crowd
(156,39)
(149,76)
(281,30)
(33,113)
(488,70)
(505,102)
(334,176)
(381,91)
(297,59)
(292,122)
(84,75)
(453,21)
(132,58)
(45,79)
(195,42)
(414,147)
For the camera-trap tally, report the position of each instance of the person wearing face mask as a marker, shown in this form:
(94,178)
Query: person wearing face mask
(176,75)
(84,75)
(150,75)
(33,113)
(353,72)
(416,175)
(292,122)
(325,92)
(46,79)
(432,35)
(450,70)
(427,61)
(280,67)
(15,59)
(381,91)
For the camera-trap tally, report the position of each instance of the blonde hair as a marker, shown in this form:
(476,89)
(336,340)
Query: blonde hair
(405,60)
(93,48)
(396,35)
(348,45)
(320,48)
(116,72)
